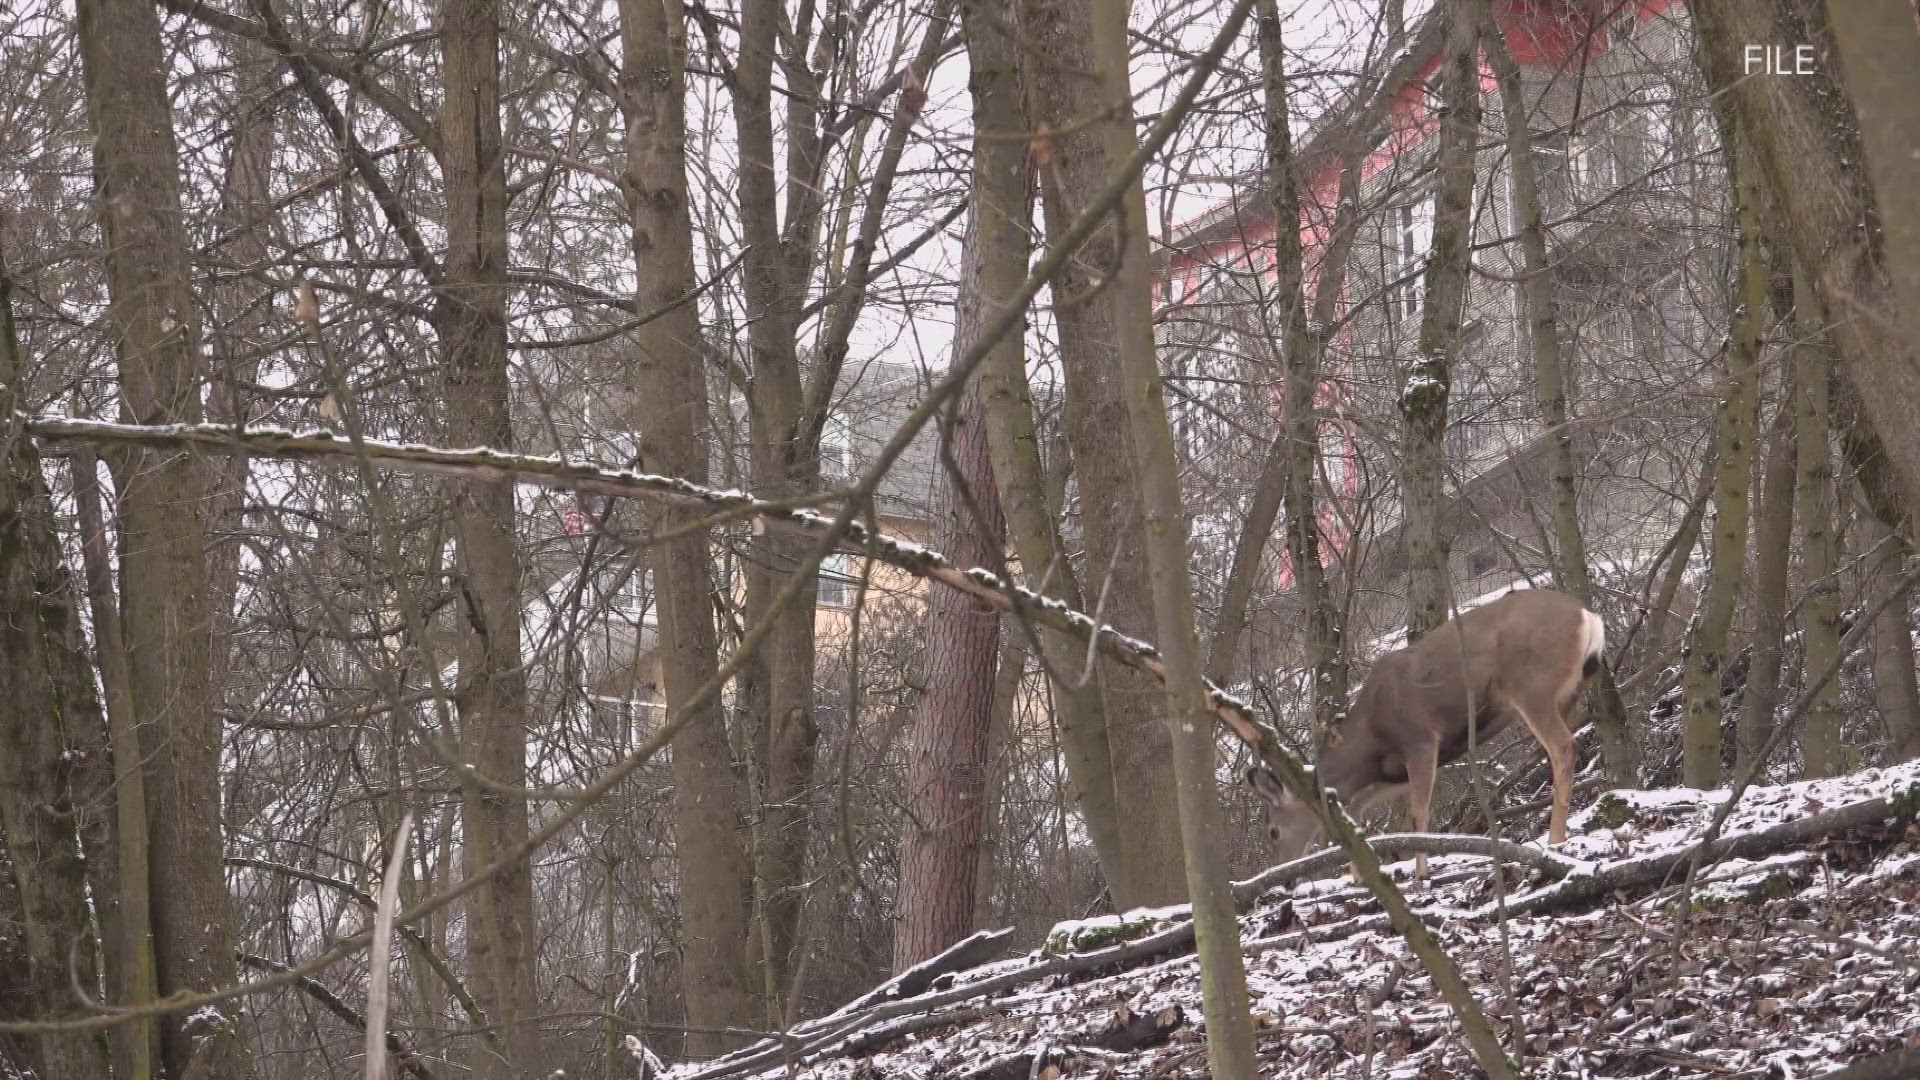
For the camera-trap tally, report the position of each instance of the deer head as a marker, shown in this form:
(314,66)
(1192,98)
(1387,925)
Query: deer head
(1522,657)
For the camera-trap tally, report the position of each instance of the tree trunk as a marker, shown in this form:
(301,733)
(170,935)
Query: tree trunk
(1112,519)
(947,756)
(1772,544)
(1550,372)
(1893,669)
(778,694)
(669,402)
(1006,691)
(1223,980)
(1032,517)
(1733,458)
(1819,560)
(52,743)
(243,307)
(1808,143)
(1423,403)
(1894,685)
(1880,55)
(471,318)
(163,499)
(1293,459)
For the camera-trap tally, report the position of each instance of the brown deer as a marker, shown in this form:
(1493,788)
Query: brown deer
(1522,657)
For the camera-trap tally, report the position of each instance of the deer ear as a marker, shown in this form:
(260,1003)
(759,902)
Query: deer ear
(1265,784)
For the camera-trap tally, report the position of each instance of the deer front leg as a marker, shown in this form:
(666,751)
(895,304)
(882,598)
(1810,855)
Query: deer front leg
(1423,762)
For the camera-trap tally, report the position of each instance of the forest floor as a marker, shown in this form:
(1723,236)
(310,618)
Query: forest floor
(1790,963)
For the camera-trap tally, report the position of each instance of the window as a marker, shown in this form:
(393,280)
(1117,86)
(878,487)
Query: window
(628,593)
(836,453)
(838,580)
(625,721)
(1593,156)
(1409,237)
(1333,459)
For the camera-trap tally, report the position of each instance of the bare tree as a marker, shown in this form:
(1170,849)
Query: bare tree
(471,319)
(1733,461)
(55,776)
(1423,400)
(671,413)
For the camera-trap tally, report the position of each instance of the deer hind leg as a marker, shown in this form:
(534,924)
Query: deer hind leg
(1549,726)
(1423,762)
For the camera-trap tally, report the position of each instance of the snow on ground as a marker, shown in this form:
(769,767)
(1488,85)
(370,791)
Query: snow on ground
(1793,963)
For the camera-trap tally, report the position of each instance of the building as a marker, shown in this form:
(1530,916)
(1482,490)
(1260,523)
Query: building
(1632,192)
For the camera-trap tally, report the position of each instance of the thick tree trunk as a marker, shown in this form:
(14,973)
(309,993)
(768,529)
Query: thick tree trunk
(1891,525)
(1772,544)
(1894,685)
(166,611)
(1880,54)
(1112,519)
(670,410)
(1550,373)
(1423,402)
(1032,517)
(1733,458)
(471,318)
(1189,722)
(52,743)
(947,753)
(1809,145)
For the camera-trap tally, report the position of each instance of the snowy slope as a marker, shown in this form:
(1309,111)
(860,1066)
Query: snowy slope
(1796,960)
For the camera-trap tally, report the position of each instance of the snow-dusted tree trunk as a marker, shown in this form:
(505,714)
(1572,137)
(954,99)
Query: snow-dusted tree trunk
(1423,401)
(1292,464)
(778,690)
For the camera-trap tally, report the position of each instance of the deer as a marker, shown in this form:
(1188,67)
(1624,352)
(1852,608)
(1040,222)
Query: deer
(1525,656)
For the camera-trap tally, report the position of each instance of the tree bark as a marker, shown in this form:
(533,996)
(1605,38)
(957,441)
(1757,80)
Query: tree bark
(947,755)
(165,611)
(1733,458)
(471,318)
(1061,80)
(1879,44)
(1894,684)
(1423,402)
(1550,373)
(1772,543)
(1893,669)
(1807,139)
(1033,517)
(1820,746)
(778,689)
(52,743)
(669,402)
(1288,475)
(1223,979)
